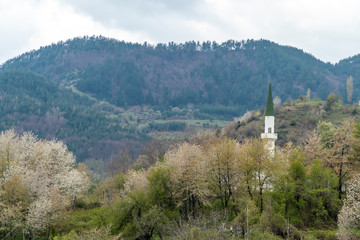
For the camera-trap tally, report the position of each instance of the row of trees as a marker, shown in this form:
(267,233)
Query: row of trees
(213,187)
(208,187)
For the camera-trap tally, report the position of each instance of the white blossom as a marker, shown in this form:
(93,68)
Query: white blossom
(349,216)
(48,170)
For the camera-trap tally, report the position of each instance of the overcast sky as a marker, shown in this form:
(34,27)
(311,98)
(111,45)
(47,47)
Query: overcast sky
(328,29)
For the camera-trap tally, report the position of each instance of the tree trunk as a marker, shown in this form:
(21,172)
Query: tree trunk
(185,207)
(221,193)
(48,233)
(340,181)
(233,200)
(261,200)
(30,235)
(249,190)
(194,206)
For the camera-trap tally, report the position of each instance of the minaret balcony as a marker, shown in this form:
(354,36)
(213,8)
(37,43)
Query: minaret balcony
(269,135)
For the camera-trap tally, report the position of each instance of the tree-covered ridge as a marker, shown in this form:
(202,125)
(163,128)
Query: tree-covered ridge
(231,73)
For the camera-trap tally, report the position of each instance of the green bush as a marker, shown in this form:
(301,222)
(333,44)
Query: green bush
(324,234)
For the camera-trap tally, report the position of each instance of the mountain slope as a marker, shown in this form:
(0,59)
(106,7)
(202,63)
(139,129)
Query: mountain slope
(30,102)
(231,73)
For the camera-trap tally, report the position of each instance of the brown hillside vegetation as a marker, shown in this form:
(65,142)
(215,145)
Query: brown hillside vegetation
(294,120)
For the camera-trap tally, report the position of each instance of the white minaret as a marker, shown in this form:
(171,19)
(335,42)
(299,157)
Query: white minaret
(269,132)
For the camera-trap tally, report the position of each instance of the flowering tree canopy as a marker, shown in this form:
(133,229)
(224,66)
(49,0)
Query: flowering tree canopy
(38,179)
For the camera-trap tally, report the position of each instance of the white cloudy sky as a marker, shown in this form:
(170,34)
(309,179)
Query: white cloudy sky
(328,29)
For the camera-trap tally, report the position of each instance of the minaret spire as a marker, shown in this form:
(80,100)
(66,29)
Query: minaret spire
(269,105)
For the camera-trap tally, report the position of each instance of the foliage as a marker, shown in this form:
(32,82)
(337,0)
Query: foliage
(38,181)
(331,101)
(335,149)
(207,188)
(92,234)
(326,131)
(188,164)
(259,169)
(308,198)
(224,158)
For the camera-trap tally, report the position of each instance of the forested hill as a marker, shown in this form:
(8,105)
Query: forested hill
(231,73)
(102,96)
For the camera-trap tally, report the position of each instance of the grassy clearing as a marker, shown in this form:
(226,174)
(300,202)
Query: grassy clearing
(313,102)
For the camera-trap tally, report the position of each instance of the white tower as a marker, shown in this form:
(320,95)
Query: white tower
(269,132)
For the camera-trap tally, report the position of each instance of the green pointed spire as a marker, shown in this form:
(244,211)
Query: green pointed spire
(269,104)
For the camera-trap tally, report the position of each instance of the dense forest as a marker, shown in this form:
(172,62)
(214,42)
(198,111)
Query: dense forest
(106,97)
(231,73)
